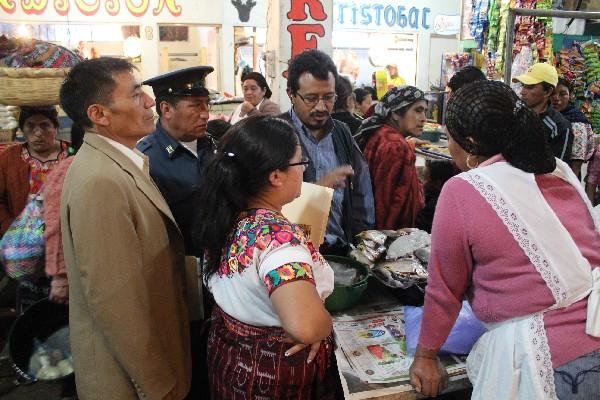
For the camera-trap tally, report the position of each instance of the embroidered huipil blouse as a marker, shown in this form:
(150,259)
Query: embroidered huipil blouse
(39,170)
(265,252)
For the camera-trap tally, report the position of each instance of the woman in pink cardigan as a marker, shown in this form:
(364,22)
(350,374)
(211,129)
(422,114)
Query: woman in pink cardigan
(515,235)
(54,257)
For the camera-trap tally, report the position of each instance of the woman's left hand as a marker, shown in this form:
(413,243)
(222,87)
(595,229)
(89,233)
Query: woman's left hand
(314,349)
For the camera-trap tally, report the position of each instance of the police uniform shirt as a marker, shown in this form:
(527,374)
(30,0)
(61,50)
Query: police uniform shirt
(176,171)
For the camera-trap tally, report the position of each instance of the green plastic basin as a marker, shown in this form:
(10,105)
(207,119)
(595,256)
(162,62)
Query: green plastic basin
(344,297)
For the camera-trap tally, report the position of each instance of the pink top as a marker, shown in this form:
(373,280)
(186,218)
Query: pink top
(474,254)
(55,258)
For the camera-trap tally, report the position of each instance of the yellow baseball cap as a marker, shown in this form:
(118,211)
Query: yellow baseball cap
(537,73)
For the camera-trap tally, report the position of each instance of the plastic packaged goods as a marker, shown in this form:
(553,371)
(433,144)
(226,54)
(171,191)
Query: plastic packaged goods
(467,329)
(405,245)
(343,275)
(51,359)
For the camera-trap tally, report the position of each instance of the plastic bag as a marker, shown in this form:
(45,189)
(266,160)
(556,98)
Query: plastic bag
(22,246)
(467,329)
(343,275)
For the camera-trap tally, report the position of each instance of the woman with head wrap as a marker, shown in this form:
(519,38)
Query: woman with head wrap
(24,167)
(23,172)
(384,137)
(513,233)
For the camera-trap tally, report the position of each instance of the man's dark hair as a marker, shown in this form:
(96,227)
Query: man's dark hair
(90,82)
(217,128)
(548,87)
(371,90)
(440,171)
(170,99)
(343,90)
(360,94)
(468,74)
(315,62)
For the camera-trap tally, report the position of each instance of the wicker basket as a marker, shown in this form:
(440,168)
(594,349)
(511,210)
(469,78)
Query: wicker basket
(7,135)
(31,86)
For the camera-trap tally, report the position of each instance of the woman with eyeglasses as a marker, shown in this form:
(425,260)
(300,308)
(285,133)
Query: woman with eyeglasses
(270,335)
(385,139)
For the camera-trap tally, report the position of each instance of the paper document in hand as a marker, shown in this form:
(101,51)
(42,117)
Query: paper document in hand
(311,211)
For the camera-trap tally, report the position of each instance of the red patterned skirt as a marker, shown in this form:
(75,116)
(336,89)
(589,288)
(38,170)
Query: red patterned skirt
(248,362)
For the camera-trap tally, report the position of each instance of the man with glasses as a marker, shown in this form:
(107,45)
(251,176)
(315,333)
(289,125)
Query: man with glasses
(538,85)
(334,159)
(177,150)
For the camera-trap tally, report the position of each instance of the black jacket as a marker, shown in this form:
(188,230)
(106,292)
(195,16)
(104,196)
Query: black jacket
(558,133)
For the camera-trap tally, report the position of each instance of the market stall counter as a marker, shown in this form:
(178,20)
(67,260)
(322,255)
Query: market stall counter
(371,351)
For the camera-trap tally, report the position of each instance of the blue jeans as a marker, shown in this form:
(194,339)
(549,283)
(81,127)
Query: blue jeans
(579,379)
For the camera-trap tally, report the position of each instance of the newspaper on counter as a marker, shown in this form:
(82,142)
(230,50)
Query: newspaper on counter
(374,345)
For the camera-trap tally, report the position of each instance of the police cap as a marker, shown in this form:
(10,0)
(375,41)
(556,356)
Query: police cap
(183,82)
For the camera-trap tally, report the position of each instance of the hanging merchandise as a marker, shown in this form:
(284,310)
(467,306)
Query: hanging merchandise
(523,60)
(534,32)
(489,22)
(571,66)
(479,22)
(493,25)
(452,62)
(592,74)
(499,59)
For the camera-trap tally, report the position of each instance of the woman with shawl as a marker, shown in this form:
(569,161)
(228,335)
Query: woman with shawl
(385,138)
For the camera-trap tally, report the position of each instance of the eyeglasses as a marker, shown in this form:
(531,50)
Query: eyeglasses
(304,161)
(312,100)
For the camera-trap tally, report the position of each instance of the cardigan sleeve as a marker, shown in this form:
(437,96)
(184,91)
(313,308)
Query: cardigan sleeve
(450,267)
(270,108)
(55,260)
(14,186)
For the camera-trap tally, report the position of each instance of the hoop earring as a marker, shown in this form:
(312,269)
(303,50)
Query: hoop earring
(476,162)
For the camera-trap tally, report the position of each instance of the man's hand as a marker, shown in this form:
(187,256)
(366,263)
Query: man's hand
(428,376)
(246,107)
(336,178)
(417,141)
(59,294)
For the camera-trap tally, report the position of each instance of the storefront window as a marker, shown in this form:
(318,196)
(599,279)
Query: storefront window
(248,52)
(182,46)
(359,54)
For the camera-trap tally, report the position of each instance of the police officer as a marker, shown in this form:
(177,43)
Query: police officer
(179,146)
(177,150)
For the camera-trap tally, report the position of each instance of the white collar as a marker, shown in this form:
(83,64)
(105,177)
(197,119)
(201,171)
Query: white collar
(133,154)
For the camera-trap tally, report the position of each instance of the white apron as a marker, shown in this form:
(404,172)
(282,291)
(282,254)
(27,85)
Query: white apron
(512,360)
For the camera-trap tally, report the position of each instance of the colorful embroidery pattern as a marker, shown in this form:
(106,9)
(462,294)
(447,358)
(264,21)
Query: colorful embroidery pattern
(39,170)
(287,273)
(258,229)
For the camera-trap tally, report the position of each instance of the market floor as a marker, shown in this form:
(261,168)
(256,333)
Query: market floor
(52,391)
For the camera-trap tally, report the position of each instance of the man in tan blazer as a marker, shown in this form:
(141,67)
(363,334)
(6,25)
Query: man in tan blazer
(123,250)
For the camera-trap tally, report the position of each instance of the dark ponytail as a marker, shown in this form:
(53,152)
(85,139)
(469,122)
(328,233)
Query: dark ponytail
(497,122)
(240,169)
